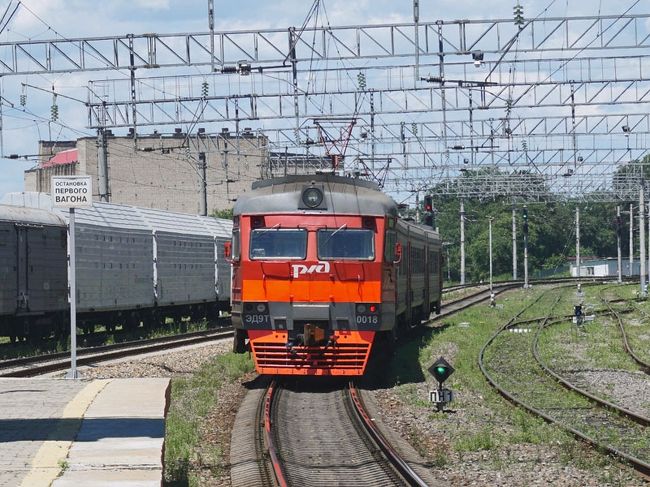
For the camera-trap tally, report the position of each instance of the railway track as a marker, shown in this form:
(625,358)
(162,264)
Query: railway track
(512,364)
(325,436)
(643,364)
(43,364)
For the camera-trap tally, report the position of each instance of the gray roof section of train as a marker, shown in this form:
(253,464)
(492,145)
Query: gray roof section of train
(342,196)
(33,207)
(35,216)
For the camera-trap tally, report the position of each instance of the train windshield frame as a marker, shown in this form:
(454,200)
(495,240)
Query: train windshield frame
(278,243)
(346,244)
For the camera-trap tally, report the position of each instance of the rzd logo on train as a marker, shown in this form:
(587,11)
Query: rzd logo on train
(318,268)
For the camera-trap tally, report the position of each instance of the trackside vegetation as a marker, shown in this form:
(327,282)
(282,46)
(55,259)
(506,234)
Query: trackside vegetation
(192,399)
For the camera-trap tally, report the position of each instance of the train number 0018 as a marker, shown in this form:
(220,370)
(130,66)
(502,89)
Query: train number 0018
(367,320)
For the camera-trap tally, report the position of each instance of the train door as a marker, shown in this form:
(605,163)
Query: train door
(22,263)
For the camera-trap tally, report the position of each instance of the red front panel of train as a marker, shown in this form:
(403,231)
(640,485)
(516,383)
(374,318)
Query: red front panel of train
(311,291)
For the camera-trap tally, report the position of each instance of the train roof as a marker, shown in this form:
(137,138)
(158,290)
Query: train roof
(30,216)
(342,195)
(120,216)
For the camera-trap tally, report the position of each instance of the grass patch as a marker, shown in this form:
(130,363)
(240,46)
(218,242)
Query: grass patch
(482,440)
(489,423)
(191,400)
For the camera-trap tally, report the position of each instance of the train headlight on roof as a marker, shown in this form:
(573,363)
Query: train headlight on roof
(312,197)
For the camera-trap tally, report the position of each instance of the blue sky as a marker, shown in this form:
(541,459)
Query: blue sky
(45,19)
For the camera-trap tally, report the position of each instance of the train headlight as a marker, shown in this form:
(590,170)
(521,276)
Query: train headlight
(261,308)
(312,197)
(361,308)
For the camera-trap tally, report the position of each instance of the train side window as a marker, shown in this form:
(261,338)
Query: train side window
(236,247)
(389,246)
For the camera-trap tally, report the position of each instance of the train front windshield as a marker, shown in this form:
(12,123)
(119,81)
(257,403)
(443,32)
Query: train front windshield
(277,243)
(346,244)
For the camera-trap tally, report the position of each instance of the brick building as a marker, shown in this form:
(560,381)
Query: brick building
(159,171)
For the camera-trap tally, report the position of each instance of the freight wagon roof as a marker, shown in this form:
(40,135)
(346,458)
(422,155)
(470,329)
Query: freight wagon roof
(30,216)
(341,195)
(130,217)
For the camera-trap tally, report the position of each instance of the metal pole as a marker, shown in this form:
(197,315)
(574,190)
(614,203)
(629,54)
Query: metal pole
(642,240)
(203,200)
(578,244)
(525,252)
(514,244)
(618,244)
(648,256)
(102,169)
(448,266)
(490,245)
(416,21)
(72,373)
(211,27)
(629,271)
(462,242)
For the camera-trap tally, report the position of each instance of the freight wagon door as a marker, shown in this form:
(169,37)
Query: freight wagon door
(22,263)
(8,268)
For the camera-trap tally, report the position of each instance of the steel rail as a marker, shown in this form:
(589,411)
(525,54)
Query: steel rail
(276,462)
(645,366)
(638,418)
(32,366)
(397,462)
(638,464)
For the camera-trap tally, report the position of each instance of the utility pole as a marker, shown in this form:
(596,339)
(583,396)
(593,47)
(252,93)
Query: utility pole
(578,245)
(102,165)
(514,243)
(619,254)
(648,256)
(211,27)
(642,240)
(490,245)
(416,21)
(629,271)
(462,242)
(203,200)
(525,215)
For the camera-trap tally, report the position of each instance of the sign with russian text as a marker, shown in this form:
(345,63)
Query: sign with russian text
(72,191)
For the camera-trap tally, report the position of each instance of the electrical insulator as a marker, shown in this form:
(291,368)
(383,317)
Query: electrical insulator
(204,89)
(414,129)
(23,100)
(54,112)
(518,11)
(361,80)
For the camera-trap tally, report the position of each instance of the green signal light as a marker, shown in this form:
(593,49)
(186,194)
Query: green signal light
(441,370)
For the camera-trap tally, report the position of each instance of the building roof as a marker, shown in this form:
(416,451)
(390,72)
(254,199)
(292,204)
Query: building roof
(64,157)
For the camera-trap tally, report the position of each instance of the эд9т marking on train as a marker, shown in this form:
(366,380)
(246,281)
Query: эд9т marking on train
(324,271)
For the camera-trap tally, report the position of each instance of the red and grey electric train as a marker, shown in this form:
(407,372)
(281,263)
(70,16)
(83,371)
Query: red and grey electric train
(323,269)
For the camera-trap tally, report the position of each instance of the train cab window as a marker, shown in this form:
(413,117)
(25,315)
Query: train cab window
(346,244)
(278,243)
